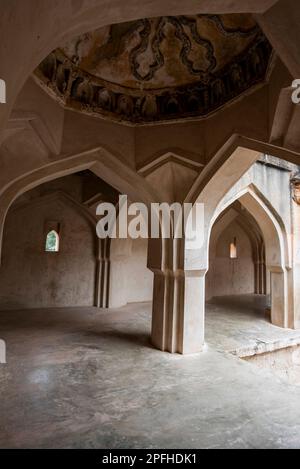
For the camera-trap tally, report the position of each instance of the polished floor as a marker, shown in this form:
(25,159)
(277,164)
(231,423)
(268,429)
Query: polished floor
(86,378)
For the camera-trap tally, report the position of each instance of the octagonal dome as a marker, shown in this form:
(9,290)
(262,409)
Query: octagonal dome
(160,68)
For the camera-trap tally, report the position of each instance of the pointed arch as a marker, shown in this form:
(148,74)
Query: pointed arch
(52,241)
(275,244)
(268,219)
(98,160)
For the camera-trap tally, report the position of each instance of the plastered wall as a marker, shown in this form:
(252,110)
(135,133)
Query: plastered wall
(32,278)
(130,279)
(228,276)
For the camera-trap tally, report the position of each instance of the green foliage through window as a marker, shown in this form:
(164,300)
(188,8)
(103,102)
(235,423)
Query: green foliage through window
(52,241)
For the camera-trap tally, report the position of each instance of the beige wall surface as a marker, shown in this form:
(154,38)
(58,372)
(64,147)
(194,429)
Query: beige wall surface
(130,279)
(230,276)
(33,278)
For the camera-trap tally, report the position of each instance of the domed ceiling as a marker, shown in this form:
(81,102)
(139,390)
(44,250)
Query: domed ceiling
(159,69)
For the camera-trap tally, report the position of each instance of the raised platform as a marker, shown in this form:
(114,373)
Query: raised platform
(239,325)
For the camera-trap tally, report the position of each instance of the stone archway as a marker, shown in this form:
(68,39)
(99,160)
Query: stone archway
(197,261)
(233,181)
(236,256)
(275,246)
(59,232)
(103,163)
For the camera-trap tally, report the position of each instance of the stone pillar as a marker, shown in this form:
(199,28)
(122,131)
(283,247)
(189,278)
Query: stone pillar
(256,277)
(260,277)
(167,293)
(178,299)
(279,298)
(102,273)
(263,277)
(192,339)
(259,269)
(166,310)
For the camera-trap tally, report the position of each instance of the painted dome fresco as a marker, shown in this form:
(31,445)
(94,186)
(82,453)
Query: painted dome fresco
(160,68)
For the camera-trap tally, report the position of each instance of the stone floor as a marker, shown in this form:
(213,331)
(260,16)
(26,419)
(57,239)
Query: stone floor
(87,378)
(239,325)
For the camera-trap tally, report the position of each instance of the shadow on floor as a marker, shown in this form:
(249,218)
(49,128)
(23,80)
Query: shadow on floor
(131,338)
(42,328)
(242,304)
